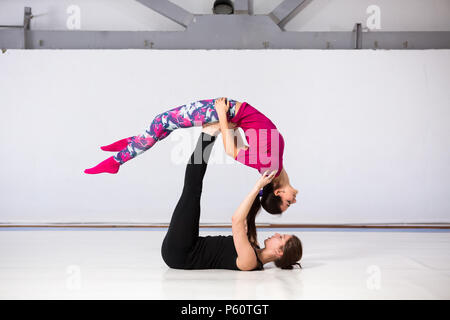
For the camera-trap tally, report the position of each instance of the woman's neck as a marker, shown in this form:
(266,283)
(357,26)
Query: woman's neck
(264,256)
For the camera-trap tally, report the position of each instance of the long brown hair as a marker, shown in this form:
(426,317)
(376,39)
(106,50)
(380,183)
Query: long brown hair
(292,251)
(270,202)
(251,226)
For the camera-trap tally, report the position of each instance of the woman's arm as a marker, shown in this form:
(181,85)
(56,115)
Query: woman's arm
(246,259)
(229,141)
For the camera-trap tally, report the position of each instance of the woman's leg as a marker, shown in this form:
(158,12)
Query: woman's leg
(189,115)
(184,226)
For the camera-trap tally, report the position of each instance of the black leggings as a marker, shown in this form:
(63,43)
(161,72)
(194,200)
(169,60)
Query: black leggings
(183,231)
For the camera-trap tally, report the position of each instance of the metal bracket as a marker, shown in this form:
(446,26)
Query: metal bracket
(358,32)
(27,16)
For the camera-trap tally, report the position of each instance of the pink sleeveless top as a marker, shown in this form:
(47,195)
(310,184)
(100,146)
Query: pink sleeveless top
(266,144)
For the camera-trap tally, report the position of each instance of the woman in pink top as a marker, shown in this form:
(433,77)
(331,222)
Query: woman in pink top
(265,151)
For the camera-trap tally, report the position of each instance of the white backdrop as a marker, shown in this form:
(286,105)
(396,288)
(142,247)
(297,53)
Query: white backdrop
(367,133)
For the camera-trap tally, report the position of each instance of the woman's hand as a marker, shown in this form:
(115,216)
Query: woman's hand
(265,179)
(220,105)
(229,143)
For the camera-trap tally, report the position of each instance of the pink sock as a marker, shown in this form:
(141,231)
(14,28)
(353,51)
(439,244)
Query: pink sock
(117,146)
(109,165)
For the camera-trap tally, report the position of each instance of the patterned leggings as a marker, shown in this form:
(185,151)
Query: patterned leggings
(186,116)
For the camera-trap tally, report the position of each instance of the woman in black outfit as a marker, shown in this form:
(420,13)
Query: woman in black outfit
(183,248)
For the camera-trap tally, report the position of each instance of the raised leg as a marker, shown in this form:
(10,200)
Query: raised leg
(186,116)
(183,230)
(189,115)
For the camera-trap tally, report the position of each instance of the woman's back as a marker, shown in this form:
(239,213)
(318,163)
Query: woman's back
(248,117)
(214,252)
(266,144)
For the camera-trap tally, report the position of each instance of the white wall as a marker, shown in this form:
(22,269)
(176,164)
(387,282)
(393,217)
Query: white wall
(367,132)
(317,15)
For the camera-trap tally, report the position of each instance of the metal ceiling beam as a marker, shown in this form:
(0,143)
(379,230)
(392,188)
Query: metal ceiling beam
(285,11)
(170,11)
(20,30)
(235,31)
(41,39)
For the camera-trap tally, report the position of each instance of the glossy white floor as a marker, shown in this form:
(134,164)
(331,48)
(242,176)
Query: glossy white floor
(126,264)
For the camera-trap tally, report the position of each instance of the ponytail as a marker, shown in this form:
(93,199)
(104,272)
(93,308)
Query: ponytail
(270,202)
(251,226)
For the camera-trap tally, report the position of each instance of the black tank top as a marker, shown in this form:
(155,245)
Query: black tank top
(215,252)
